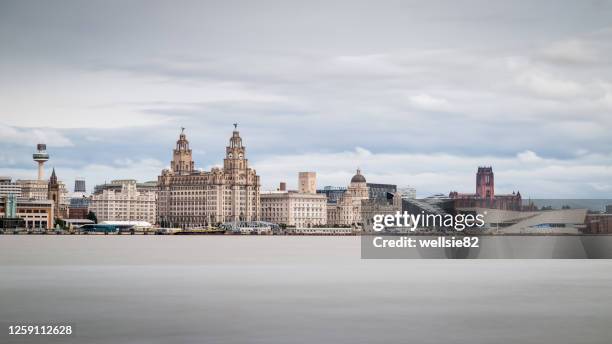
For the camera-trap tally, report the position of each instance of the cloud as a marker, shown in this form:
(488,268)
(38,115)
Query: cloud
(533,175)
(544,84)
(403,81)
(573,51)
(429,103)
(528,156)
(32,136)
(141,170)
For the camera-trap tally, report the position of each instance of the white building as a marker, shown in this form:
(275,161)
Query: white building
(125,200)
(293,208)
(301,209)
(307,182)
(39,190)
(7,187)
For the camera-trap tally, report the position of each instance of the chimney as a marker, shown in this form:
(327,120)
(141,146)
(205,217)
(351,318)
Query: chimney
(283,186)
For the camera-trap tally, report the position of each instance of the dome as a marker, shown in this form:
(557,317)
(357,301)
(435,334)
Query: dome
(358,178)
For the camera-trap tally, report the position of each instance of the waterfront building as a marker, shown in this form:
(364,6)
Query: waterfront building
(485,196)
(79,185)
(192,198)
(319,231)
(125,200)
(8,187)
(346,211)
(78,207)
(390,205)
(561,221)
(333,193)
(295,208)
(380,191)
(407,192)
(38,190)
(307,182)
(33,214)
(599,223)
(33,189)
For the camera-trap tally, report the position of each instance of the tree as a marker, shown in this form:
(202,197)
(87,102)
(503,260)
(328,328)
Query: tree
(92,216)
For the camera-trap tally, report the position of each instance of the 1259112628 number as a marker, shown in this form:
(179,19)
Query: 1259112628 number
(45,330)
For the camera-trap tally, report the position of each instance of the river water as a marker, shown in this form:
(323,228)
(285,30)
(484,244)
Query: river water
(236,289)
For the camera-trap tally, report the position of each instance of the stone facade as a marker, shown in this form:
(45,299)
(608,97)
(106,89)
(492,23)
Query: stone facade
(54,195)
(125,200)
(302,209)
(192,198)
(346,211)
(307,182)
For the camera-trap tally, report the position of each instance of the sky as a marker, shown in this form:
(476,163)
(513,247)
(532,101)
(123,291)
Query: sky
(415,93)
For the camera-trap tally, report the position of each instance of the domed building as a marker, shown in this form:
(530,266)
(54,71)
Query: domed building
(347,210)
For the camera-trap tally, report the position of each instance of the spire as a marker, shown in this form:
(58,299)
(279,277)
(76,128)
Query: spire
(53,179)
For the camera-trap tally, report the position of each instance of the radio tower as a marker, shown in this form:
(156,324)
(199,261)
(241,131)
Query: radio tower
(41,157)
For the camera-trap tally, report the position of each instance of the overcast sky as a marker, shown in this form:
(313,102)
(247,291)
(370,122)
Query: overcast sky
(415,93)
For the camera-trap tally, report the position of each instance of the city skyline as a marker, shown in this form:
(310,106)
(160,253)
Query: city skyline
(422,100)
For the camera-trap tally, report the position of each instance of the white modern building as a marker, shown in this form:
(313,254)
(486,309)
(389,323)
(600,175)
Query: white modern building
(125,200)
(8,187)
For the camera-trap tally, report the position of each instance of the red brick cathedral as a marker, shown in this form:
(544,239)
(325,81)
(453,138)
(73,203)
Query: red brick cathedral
(485,196)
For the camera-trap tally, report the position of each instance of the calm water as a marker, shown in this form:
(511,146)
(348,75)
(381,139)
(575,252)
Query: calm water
(229,289)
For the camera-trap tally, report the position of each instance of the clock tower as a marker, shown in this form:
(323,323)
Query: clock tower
(235,157)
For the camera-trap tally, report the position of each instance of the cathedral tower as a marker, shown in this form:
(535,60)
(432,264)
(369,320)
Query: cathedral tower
(485,186)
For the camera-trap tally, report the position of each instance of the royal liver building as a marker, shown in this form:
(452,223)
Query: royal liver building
(192,198)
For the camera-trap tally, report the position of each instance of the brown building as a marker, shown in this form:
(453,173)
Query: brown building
(194,198)
(485,196)
(598,224)
(36,214)
(77,213)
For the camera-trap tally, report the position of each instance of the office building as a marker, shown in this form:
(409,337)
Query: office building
(307,182)
(192,198)
(8,187)
(333,193)
(33,214)
(125,200)
(295,208)
(380,191)
(79,185)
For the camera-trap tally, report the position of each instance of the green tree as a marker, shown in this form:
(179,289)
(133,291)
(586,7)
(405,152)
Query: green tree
(92,216)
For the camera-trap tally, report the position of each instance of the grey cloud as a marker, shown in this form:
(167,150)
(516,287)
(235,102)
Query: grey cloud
(475,79)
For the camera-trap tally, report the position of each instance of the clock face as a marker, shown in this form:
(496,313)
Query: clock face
(230,155)
(240,156)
